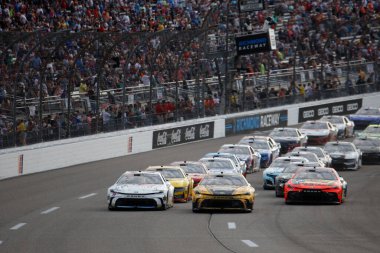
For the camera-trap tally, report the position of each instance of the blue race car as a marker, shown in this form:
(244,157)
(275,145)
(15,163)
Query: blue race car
(365,117)
(266,146)
(277,166)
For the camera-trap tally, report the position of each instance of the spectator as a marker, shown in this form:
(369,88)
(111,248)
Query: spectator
(21,131)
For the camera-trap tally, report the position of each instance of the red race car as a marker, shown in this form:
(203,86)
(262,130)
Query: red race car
(316,184)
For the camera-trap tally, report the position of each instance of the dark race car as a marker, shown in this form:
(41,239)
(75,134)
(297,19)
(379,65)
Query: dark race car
(289,138)
(344,155)
(315,185)
(370,148)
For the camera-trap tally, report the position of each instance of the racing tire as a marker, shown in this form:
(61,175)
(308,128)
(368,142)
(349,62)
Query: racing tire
(111,208)
(265,187)
(278,195)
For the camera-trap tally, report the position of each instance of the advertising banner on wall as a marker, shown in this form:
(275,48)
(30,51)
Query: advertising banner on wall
(256,122)
(336,108)
(254,43)
(185,134)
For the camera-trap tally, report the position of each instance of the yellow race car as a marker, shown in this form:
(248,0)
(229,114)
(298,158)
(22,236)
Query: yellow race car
(183,186)
(223,191)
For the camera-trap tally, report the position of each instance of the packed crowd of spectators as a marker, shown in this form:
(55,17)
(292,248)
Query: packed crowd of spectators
(309,33)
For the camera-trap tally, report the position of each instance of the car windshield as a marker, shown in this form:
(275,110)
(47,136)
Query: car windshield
(235,150)
(290,169)
(193,168)
(255,144)
(372,130)
(339,148)
(284,133)
(140,178)
(317,151)
(368,111)
(367,142)
(224,180)
(225,155)
(284,162)
(309,156)
(218,164)
(314,125)
(324,175)
(169,173)
(333,120)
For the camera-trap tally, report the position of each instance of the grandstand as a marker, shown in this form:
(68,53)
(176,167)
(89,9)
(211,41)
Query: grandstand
(72,68)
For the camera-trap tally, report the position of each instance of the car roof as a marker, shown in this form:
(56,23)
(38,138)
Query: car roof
(216,158)
(183,163)
(163,167)
(284,128)
(336,143)
(316,169)
(256,137)
(235,145)
(141,172)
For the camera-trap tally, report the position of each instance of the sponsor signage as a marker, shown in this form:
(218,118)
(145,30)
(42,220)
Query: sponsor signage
(179,135)
(251,5)
(253,43)
(256,122)
(336,108)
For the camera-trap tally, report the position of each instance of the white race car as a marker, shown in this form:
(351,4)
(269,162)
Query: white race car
(140,189)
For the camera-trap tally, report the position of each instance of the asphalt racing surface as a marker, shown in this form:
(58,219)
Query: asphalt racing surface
(66,211)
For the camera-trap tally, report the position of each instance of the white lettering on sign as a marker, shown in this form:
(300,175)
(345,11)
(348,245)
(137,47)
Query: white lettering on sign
(308,114)
(337,109)
(176,136)
(204,131)
(190,133)
(323,111)
(269,120)
(162,138)
(352,107)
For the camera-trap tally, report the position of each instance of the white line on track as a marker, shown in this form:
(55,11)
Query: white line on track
(250,243)
(50,210)
(17,226)
(231,225)
(87,196)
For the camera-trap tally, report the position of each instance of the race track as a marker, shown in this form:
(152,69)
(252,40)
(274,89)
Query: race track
(65,211)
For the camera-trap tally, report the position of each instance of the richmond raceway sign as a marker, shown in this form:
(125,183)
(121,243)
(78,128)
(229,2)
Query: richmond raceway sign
(336,108)
(179,135)
(256,122)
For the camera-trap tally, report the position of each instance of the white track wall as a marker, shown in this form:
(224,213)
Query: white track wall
(65,153)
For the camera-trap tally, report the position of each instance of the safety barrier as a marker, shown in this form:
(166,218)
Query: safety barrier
(69,152)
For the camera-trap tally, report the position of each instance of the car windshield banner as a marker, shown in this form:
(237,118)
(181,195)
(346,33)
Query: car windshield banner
(256,122)
(336,108)
(179,135)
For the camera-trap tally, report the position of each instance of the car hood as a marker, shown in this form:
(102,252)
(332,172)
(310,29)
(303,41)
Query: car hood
(223,189)
(229,171)
(140,189)
(316,183)
(243,157)
(315,132)
(345,155)
(285,175)
(273,170)
(285,139)
(178,182)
